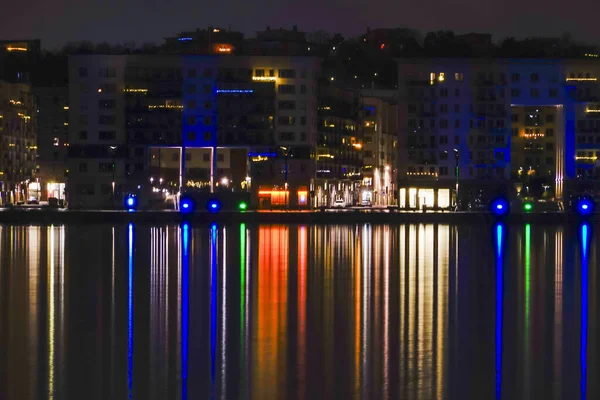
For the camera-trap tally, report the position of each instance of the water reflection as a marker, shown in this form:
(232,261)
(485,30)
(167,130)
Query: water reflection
(287,311)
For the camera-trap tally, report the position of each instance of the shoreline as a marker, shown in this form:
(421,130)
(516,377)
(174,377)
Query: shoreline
(48,217)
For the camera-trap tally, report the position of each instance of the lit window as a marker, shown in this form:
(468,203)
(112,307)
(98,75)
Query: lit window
(56,141)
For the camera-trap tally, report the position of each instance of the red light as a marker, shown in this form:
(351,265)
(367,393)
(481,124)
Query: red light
(382,46)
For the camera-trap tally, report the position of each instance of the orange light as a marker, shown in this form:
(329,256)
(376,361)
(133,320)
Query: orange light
(382,46)
(357,145)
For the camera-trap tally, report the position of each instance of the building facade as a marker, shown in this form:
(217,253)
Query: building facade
(237,124)
(475,128)
(18,144)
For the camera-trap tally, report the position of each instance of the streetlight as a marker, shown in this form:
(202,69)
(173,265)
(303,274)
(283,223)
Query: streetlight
(113,149)
(456,157)
(286,152)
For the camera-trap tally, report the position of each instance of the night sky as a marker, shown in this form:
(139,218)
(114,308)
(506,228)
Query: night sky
(59,21)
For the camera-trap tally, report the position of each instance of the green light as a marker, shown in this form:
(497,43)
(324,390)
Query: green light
(243,206)
(528,206)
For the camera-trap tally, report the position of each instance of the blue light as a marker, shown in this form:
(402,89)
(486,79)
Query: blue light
(253,154)
(130,202)
(186,204)
(184,39)
(214,206)
(500,206)
(235,91)
(585,206)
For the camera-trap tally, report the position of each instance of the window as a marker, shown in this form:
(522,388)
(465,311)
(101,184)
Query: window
(259,72)
(107,72)
(515,92)
(107,104)
(206,157)
(208,120)
(83,167)
(83,135)
(549,146)
(514,118)
(287,89)
(443,171)
(550,118)
(207,136)
(444,124)
(457,140)
(191,120)
(444,139)
(107,119)
(287,136)
(207,72)
(443,155)
(220,157)
(191,104)
(139,151)
(515,77)
(56,141)
(459,76)
(207,88)
(83,72)
(287,105)
(83,119)
(191,136)
(302,89)
(107,88)
(457,92)
(303,136)
(553,93)
(443,108)
(444,92)
(191,88)
(286,120)
(457,108)
(105,167)
(287,73)
(175,157)
(535,93)
(107,135)
(535,77)
(549,161)
(188,156)
(456,123)
(208,105)
(192,73)
(549,132)
(303,120)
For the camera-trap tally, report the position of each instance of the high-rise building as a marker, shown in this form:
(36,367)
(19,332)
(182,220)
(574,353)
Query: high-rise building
(18,143)
(230,123)
(479,127)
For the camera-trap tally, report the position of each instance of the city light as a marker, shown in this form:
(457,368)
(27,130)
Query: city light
(527,206)
(213,205)
(500,206)
(585,206)
(243,206)
(186,204)
(224,181)
(130,202)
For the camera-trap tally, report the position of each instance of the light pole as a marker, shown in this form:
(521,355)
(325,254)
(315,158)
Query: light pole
(286,151)
(113,150)
(456,157)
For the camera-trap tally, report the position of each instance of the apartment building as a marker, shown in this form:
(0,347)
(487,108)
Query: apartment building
(129,112)
(380,130)
(18,144)
(477,127)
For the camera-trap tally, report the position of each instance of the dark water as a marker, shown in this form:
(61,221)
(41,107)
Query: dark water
(299,312)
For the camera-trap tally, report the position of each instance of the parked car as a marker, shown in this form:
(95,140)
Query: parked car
(366,203)
(339,203)
(33,200)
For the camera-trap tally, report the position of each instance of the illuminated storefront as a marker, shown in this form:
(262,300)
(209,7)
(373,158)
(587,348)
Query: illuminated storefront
(419,198)
(56,190)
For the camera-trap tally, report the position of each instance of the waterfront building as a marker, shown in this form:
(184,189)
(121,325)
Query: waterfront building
(478,127)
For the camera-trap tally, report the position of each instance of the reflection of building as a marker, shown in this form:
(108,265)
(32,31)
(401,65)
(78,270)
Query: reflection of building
(18,146)
(380,146)
(241,123)
(339,145)
(471,106)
